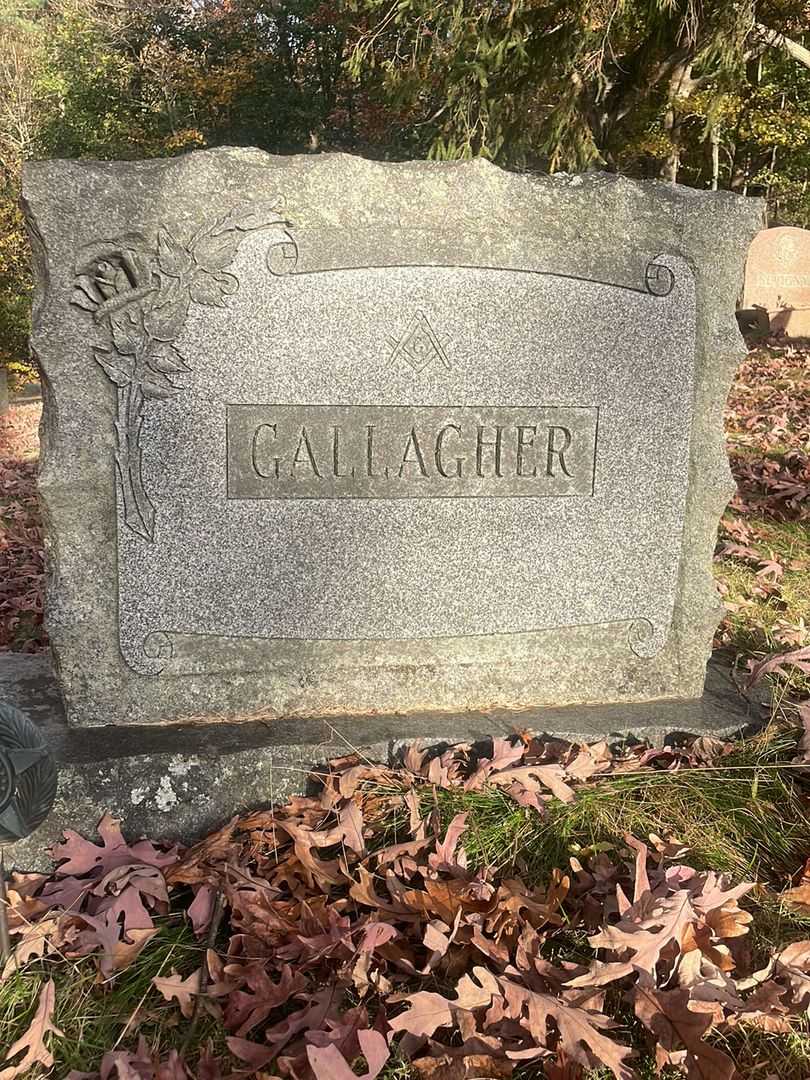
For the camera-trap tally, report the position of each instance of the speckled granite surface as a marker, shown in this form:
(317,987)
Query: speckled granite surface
(203,568)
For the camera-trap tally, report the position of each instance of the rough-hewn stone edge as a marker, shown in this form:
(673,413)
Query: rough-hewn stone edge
(732,222)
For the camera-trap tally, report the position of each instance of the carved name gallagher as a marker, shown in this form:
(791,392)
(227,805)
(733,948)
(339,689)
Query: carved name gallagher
(392,451)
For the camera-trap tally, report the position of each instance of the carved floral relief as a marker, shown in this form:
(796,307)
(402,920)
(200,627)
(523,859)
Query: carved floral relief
(139,294)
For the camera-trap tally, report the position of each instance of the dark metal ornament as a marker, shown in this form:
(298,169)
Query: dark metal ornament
(28,776)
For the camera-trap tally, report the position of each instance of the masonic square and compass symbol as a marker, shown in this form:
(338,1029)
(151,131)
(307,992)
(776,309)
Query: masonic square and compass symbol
(419,346)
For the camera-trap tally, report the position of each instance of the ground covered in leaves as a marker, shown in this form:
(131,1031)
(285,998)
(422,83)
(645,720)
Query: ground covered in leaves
(476,912)
(763,553)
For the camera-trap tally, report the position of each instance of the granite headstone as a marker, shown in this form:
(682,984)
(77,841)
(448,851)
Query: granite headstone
(327,436)
(777,278)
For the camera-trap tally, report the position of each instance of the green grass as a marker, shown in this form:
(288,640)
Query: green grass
(746,817)
(97,1017)
(760,1053)
(755,627)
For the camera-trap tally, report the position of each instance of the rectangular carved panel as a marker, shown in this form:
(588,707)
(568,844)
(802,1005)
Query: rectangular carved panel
(409,452)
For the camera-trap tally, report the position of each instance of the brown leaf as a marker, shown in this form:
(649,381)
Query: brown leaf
(641,880)
(799,658)
(798,898)
(765,1009)
(792,965)
(328,1063)
(253,1054)
(175,987)
(79,856)
(201,908)
(245,1010)
(33,943)
(536,778)
(645,936)
(427,1012)
(445,856)
(32,1043)
(376,934)
(469,1067)
(667,1015)
(469,995)
(581,1035)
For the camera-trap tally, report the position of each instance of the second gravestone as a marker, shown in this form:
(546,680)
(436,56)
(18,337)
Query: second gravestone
(777,278)
(327,436)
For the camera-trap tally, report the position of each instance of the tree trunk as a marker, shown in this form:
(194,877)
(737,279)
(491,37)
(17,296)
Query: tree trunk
(714,137)
(681,85)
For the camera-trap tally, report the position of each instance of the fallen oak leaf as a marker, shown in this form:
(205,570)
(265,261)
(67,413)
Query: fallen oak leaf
(427,1012)
(445,855)
(77,855)
(376,934)
(792,965)
(798,898)
(245,1010)
(34,943)
(469,1067)
(253,1054)
(147,880)
(469,995)
(534,778)
(667,1015)
(105,933)
(641,880)
(33,1041)
(799,658)
(183,990)
(581,1035)
(664,920)
(328,1063)
(765,1009)
(201,908)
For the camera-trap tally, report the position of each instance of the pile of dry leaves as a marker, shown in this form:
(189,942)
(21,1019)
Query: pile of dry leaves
(345,933)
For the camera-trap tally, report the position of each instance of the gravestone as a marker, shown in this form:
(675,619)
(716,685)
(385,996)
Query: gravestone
(777,278)
(325,436)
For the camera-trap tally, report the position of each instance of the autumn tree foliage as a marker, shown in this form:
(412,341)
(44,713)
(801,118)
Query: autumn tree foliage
(708,92)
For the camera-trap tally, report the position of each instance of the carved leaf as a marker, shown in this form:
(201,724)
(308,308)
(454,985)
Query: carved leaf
(117,368)
(157,386)
(165,321)
(211,290)
(172,256)
(127,332)
(121,282)
(167,361)
(216,252)
(256,216)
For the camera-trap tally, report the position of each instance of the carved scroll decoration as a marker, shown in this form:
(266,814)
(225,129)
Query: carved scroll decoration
(139,295)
